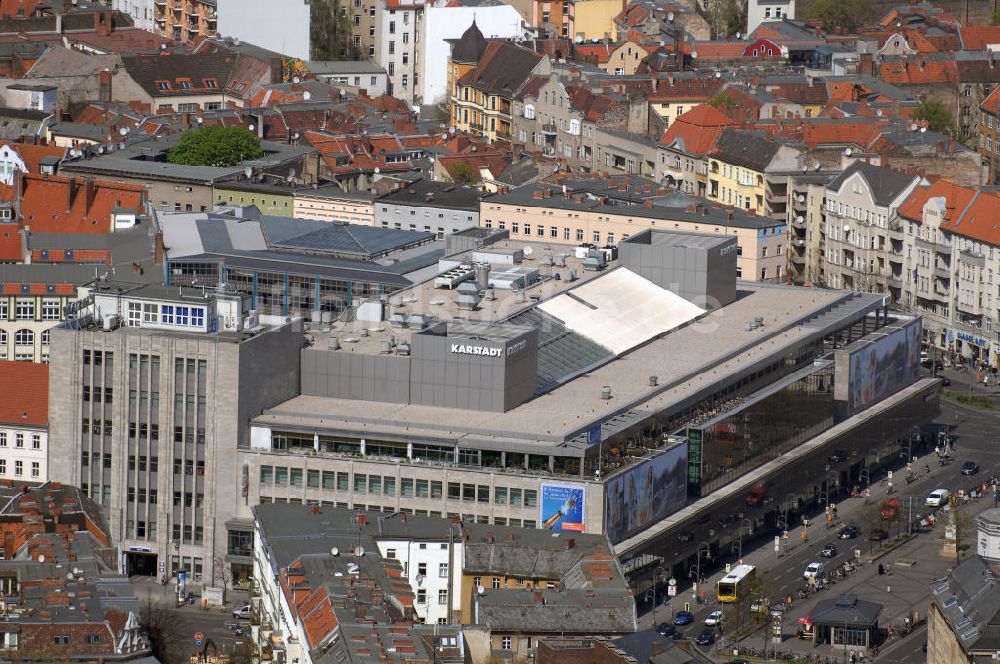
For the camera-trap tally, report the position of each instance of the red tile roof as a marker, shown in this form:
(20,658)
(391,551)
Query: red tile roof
(596,53)
(919,73)
(57,204)
(978,37)
(593,106)
(633,16)
(685,89)
(992,103)
(24,393)
(11,244)
(956,200)
(720,50)
(32,155)
(17,8)
(697,130)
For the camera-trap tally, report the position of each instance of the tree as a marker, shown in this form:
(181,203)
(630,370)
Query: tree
(215,146)
(463,174)
(936,115)
(726,17)
(995,17)
(330,31)
(168,636)
(223,572)
(841,15)
(723,101)
(966,530)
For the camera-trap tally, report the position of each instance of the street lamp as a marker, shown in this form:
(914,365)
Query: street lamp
(706,547)
(749,525)
(656,569)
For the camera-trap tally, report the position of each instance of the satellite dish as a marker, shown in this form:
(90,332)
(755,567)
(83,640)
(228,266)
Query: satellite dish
(804,168)
(528,251)
(306,95)
(848,152)
(670,16)
(295,80)
(739,35)
(816,165)
(579,39)
(377,170)
(250,127)
(100,150)
(199,119)
(248,171)
(480,589)
(343,93)
(718,74)
(291,173)
(847,228)
(359,551)
(123,131)
(923,129)
(694,55)
(802,198)
(334,552)
(41,558)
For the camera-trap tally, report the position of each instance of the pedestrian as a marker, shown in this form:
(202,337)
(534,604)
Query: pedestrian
(881,569)
(888,589)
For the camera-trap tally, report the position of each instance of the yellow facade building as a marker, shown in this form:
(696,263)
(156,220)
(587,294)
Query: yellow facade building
(595,19)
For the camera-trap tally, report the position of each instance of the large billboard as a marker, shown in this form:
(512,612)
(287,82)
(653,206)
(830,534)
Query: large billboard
(646,493)
(562,507)
(880,368)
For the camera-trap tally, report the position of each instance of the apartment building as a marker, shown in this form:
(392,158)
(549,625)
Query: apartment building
(24,421)
(988,131)
(685,144)
(331,203)
(751,172)
(863,242)
(151,390)
(806,230)
(605,211)
(399,31)
(952,253)
(185,21)
(442,208)
(142,12)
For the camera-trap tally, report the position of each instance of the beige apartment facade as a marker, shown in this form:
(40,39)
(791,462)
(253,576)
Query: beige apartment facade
(331,203)
(557,220)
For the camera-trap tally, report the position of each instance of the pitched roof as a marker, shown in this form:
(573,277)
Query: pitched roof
(56,204)
(979,37)
(885,184)
(24,393)
(597,53)
(846,610)
(720,50)
(196,73)
(992,103)
(921,72)
(956,200)
(593,106)
(696,131)
(978,220)
(470,46)
(32,155)
(503,69)
(745,148)
(11,243)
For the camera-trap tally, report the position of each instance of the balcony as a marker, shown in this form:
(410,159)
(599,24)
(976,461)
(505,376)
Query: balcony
(942,272)
(797,258)
(799,220)
(972,259)
(549,129)
(894,281)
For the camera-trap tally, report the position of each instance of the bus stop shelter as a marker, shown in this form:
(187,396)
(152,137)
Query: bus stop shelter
(846,622)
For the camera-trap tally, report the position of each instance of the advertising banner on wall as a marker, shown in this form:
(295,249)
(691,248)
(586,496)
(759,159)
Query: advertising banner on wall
(562,507)
(646,493)
(883,366)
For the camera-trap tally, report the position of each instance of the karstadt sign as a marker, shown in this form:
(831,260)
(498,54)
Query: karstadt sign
(487,351)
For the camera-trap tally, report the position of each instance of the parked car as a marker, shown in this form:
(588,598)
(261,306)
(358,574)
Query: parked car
(813,570)
(938,497)
(706,638)
(839,455)
(666,629)
(848,532)
(970,468)
(828,550)
(242,613)
(760,605)
(877,535)
(714,619)
(683,618)
(945,381)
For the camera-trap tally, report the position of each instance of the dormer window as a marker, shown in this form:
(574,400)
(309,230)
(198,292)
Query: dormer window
(163,85)
(210,83)
(184,83)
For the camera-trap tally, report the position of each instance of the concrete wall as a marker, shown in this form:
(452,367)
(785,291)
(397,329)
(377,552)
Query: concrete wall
(440,220)
(356,375)
(254,21)
(704,275)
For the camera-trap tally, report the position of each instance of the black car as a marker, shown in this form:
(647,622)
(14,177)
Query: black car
(666,629)
(970,468)
(848,532)
(828,551)
(839,455)
(706,638)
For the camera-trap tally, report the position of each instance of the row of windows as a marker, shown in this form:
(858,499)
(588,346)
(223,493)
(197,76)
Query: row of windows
(24,309)
(19,438)
(95,427)
(385,485)
(167,314)
(18,467)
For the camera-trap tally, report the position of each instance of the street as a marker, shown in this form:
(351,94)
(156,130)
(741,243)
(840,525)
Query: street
(910,567)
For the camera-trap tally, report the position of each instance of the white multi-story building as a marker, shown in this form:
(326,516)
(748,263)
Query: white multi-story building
(24,420)
(432,563)
(862,247)
(399,31)
(762,11)
(141,12)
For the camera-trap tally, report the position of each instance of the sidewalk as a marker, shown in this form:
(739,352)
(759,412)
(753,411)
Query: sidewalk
(964,382)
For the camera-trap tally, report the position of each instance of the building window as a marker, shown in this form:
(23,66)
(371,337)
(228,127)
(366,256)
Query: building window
(51,310)
(24,309)
(443,597)
(35,469)
(36,441)
(505,642)
(24,338)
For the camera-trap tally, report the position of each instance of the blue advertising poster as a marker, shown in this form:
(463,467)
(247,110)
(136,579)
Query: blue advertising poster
(562,507)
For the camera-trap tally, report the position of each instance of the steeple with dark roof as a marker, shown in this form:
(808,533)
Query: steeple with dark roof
(470,48)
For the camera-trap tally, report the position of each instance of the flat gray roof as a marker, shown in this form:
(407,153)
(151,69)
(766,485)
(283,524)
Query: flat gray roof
(690,360)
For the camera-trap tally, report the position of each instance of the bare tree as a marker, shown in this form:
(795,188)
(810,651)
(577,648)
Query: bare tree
(166,632)
(221,571)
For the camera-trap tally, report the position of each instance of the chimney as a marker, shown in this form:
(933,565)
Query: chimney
(649,202)
(570,543)
(70,193)
(102,23)
(510,537)
(362,519)
(104,79)
(158,248)
(90,192)
(185,121)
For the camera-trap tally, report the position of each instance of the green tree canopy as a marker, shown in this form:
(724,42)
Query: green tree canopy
(723,101)
(937,116)
(215,146)
(846,15)
(463,174)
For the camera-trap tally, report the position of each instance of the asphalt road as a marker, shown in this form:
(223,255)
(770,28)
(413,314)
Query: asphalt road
(973,433)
